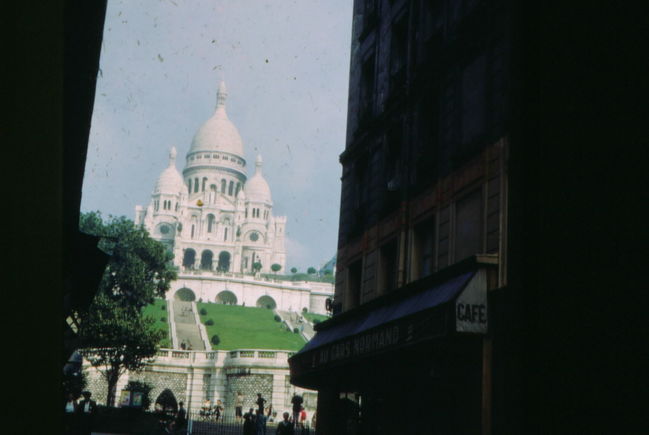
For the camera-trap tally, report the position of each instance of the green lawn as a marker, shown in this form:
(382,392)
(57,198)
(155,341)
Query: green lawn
(156,312)
(313,316)
(241,327)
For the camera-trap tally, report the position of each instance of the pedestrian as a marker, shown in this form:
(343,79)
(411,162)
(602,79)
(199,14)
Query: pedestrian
(303,417)
(260,423)
(248,424)
(181,419)
(260,403)
(238,406)
(69,415)
(285,427)
(296,400)
(86,410)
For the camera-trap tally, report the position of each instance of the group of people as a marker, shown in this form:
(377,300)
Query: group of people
(172,421)
(79,416)
(212,411)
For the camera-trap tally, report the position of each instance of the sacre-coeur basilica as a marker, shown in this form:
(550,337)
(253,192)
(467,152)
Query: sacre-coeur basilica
(219,223)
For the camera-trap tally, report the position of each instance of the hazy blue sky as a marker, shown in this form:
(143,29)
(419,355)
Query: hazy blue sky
(286,67)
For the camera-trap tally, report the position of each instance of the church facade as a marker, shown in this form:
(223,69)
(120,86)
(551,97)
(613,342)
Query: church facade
(219,223)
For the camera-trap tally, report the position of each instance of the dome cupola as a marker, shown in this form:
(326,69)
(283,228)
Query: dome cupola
(218,133)
(170,180)
(256,188)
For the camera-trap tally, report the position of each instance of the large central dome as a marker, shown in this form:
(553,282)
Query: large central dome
(218,133)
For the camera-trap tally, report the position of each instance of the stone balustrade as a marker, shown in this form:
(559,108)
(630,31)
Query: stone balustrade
(232,358)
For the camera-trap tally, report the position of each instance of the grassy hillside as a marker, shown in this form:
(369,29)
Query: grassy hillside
(157,312)
(241,327)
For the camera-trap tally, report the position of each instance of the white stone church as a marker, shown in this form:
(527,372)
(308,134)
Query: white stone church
(220,225)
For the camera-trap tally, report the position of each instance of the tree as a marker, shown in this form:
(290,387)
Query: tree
(256,266)
(275,267)
(114,335)
(293,269)
(117,338)
(311,270)
(139,268)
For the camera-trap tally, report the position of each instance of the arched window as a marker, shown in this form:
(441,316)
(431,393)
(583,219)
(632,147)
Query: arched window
(210,223)
(246,211)
(238,189)
(206,259)
(195,185)
(203,185)
(223,186)
(193,227)
(189,185)
(224,261)
(225,234)
(231,188)
(189,257)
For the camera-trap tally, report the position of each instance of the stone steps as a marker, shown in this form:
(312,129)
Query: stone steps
(186,328)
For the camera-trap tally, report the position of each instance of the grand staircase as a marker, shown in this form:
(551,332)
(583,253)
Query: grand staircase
(187,331)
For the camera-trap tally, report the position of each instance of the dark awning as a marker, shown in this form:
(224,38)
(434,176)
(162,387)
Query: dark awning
(430,298)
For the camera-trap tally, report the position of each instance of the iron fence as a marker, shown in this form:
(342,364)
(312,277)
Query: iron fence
(208,424)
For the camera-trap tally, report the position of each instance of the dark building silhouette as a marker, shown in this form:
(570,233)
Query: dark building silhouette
(466,300)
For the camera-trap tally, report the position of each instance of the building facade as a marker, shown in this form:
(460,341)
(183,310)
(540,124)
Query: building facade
(423,223)
(219,223)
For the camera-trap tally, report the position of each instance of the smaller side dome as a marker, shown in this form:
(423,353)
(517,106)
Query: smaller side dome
(256,188)
(170,180)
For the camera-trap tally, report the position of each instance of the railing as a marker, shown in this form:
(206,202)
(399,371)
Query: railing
(207,423)
(227,357)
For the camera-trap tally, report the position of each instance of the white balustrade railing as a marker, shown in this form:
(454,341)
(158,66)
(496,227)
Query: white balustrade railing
(233,357)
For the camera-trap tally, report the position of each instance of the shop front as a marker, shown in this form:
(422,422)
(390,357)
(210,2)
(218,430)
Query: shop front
(416,361)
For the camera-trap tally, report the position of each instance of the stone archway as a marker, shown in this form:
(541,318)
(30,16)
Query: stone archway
(185,294)
(167,400)
(266,302)
(226,297)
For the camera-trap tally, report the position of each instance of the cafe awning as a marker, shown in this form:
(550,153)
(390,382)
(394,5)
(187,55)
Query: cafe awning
(427,299)
(451,304)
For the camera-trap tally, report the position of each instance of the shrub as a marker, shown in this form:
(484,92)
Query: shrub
(209,322)
(215,340)
(163,307)
(202,311)
(163,319)
(316,321)
(304,310)
(277,318)
(296,330)
(200,299)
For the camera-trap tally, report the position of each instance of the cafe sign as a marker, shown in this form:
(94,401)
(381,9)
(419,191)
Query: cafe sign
(471,306)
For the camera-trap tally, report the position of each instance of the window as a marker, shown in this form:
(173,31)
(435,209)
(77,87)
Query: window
(189,184)
(354,275)
(423,250)
(210,223)
(366,96)
(398,56)
(203,185)
(468,226)
(473,100)
(225,234)
(388,267)
(231,188)
(195,185)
